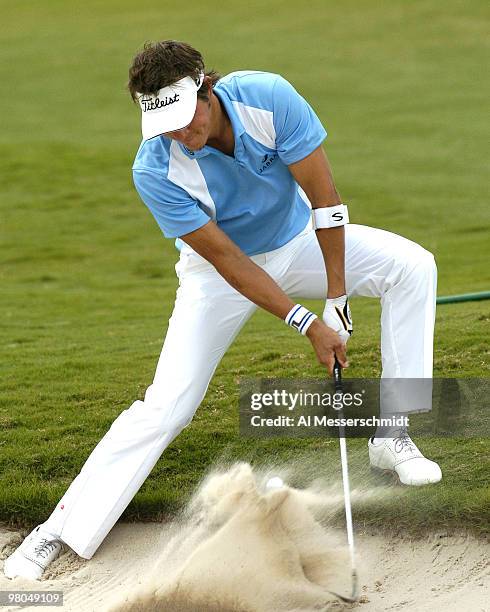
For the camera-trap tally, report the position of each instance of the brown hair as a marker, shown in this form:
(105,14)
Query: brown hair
(160,64)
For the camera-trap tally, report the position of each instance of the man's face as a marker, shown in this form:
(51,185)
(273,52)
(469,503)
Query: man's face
(196,134)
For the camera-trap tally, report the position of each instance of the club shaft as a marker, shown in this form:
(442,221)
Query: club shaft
(347,501)
(346,484)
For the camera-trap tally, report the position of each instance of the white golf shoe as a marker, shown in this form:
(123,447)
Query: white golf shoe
(33,556)
(401,456)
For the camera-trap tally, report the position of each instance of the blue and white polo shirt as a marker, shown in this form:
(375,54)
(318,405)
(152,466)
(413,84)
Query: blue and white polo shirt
(252,196)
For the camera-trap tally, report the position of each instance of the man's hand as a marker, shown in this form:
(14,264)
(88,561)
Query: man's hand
(327,344)
(337,316)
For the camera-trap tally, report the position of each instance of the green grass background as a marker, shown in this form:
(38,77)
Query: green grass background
(87,279)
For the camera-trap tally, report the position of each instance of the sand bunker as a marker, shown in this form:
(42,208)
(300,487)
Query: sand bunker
(241,548)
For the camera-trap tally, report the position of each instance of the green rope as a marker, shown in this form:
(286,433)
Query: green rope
(464,297)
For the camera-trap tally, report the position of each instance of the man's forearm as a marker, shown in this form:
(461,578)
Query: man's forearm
(332,244)
(254,283)
(315,177)
(239,270)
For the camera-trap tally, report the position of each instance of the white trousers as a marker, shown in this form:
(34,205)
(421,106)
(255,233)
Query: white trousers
(207,316)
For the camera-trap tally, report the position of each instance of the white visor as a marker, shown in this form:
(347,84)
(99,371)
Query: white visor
(171,109)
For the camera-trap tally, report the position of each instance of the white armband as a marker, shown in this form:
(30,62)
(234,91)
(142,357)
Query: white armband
(300,318)
(330,216)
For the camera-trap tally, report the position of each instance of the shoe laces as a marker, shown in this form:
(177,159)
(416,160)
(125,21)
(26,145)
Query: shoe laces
(45,548)
(403,442)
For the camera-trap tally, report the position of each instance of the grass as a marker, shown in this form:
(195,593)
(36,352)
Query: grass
(88,282)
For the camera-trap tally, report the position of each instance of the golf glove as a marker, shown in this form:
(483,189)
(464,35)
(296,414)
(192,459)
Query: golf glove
(337,316)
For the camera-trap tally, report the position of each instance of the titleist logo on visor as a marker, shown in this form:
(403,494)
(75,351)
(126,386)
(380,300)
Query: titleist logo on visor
(149,104)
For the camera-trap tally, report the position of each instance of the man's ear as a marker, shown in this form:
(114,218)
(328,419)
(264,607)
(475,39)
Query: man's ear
(205,95)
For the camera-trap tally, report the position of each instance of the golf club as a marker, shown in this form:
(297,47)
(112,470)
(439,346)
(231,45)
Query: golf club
(337,375)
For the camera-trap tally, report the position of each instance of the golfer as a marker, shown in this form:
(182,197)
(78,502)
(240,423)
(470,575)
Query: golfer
(233,168)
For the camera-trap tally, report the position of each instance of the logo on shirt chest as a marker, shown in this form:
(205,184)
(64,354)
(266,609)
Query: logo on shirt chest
(267,160)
